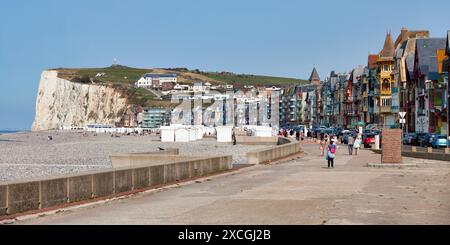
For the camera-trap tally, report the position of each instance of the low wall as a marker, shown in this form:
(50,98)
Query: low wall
(130,160)
(168,151)
(253,140)
(18,197)
(270,154)
(423,155)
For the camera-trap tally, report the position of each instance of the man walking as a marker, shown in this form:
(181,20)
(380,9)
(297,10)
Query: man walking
(350,142)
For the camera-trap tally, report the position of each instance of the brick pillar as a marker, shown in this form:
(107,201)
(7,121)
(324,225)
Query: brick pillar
(391,146)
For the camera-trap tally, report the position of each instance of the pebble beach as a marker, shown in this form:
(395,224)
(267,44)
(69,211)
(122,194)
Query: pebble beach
(30,154)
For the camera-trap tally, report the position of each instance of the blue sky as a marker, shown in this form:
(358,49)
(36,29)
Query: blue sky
(282,38)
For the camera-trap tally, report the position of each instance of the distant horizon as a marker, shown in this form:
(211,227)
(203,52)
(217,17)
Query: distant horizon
(244,37)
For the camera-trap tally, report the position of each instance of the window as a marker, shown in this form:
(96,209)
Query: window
(386,85)
(421,103)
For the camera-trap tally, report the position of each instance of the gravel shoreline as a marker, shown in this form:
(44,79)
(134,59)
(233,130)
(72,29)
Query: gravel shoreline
(30,154)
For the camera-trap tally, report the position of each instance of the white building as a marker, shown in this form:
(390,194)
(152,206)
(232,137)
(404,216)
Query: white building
(155,80)
(199,87)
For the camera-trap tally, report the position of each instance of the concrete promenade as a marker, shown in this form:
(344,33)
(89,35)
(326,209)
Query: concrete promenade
(301,191)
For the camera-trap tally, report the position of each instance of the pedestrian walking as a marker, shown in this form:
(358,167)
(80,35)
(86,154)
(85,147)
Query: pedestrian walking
(331,153)
(322,146)
(357,144)
(297,135)
(350,142)
(233,136)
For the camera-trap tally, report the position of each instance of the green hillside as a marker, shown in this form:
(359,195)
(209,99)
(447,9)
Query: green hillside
(123,77)
(112,75)
(247,79)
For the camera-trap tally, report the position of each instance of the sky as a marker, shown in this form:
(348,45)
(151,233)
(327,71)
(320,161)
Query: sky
(279,38)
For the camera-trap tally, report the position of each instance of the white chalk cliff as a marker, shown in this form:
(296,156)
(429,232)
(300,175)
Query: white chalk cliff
(62,103)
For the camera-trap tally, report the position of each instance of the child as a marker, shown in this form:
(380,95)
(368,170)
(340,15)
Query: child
(331,153)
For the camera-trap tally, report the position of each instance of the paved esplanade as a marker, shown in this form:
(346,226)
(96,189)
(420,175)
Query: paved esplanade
(296,192)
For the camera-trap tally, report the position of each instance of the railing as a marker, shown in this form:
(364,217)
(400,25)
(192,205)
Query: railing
(385,109)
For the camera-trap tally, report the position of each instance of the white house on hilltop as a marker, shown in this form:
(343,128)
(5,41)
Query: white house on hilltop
(156,80)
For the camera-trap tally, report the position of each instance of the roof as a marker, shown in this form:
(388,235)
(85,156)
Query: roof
(388,48)
(372,60)
(405,34)
(365,71)
(314,75)
(307,87)
(446,64)
(409,54)
(399,51)
(343,78)
(448,42)
(426,49)
(357,72)
(155,75)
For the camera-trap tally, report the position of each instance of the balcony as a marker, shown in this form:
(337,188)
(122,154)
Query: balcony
(385,109)
(385,92)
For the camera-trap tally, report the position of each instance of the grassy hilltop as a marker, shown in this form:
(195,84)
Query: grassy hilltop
(124,77)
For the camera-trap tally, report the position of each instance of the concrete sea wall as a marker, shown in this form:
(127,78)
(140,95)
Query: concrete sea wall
(285,148)
(254,140)
(18,197)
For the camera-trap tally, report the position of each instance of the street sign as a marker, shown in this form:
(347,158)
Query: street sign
(402,120)
(402,114)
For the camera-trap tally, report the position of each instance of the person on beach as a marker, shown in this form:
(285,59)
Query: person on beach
(331,153)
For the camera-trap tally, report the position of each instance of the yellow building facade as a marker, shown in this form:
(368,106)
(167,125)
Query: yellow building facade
(385,77)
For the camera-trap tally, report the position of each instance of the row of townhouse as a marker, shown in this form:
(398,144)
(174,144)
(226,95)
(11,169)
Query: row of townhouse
(408,75)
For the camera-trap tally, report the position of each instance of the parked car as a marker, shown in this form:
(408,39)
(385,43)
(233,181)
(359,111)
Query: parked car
(409,138)
(328,131)
(299,128)
(439,141)
(371,126)
(369,140)
(405,140)
(344,131)
(367,131)
(423,139)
